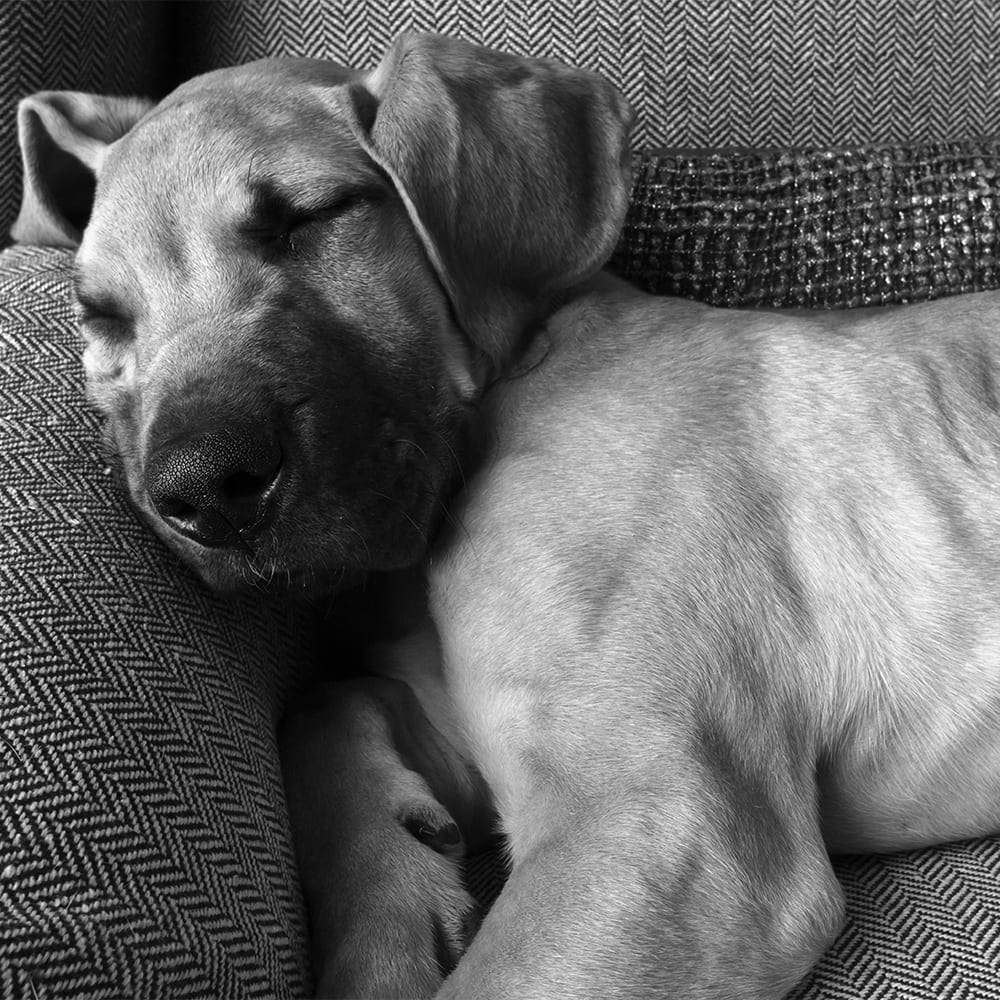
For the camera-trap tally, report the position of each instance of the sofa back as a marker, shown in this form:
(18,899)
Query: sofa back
(808,73)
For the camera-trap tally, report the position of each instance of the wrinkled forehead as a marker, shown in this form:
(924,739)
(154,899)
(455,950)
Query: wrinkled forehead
(203,156)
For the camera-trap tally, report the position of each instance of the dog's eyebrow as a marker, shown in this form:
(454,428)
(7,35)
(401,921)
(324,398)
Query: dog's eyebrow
(271,207)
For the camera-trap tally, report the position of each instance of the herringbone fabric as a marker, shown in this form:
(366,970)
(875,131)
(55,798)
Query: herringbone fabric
(698,72)
(105,46)
(921,926)
(144,847)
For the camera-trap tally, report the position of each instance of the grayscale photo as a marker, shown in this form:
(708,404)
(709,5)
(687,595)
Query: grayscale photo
(495,500)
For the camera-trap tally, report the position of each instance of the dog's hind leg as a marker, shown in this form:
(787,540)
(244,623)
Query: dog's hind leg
(379,854)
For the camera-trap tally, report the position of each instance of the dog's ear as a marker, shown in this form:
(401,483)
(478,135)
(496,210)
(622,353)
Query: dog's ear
(515,172)
(64,136)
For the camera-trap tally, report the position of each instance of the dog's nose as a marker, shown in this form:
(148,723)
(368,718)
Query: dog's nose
(214,488)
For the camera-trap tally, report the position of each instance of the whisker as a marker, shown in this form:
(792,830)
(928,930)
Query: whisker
(456,522)
(259,581)
(454,457)
(364,542)
(402,510)
(413,444)
(453,519)
(251,576)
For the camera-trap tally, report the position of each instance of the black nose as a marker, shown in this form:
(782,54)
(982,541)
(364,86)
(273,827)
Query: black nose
(215,488)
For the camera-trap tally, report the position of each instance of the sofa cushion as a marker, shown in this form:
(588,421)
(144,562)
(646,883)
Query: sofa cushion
(815,228)
(921,925)
(144,845)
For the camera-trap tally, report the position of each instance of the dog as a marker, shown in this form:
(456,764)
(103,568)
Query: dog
(687,598)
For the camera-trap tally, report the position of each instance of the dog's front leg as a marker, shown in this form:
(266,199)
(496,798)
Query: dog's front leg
(379,854)
(656,901)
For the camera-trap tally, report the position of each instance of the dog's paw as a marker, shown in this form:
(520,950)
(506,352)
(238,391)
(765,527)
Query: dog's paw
(409,917)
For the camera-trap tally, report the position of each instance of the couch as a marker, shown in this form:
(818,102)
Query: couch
(812,153)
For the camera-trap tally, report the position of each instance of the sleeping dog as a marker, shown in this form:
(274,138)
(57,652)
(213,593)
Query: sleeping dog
(689,597)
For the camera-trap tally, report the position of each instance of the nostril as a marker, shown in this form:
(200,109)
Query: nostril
(242,485)
(175,507)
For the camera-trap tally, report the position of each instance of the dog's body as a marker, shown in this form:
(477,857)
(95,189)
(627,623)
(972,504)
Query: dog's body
(775,635)
(798,560)
(718,593)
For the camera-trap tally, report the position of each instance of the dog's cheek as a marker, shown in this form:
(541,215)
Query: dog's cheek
(111,375)
(111,388)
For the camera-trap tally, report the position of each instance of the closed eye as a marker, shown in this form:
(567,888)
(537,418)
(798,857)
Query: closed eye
(346,202)
(273,218)
(92,309)
(93,304)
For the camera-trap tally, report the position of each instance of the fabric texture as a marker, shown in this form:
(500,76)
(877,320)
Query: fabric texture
(144,845)
(103,46)
(815,228)
(703,73)
(924,925)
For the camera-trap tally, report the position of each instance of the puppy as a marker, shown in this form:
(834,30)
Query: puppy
(699,596)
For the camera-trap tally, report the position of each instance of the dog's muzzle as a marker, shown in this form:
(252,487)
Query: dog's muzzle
(217,488)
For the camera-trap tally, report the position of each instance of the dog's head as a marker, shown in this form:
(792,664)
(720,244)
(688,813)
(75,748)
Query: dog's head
(295,279)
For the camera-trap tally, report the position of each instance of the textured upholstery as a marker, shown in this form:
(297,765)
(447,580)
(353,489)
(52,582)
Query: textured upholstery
(698,72)
(920,926)
(144,846)
(867,226)
(143,843)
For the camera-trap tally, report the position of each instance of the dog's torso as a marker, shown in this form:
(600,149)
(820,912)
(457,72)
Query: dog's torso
(800,555)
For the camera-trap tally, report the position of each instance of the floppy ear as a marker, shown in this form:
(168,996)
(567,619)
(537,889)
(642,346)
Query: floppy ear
(515,173)
(64,136)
